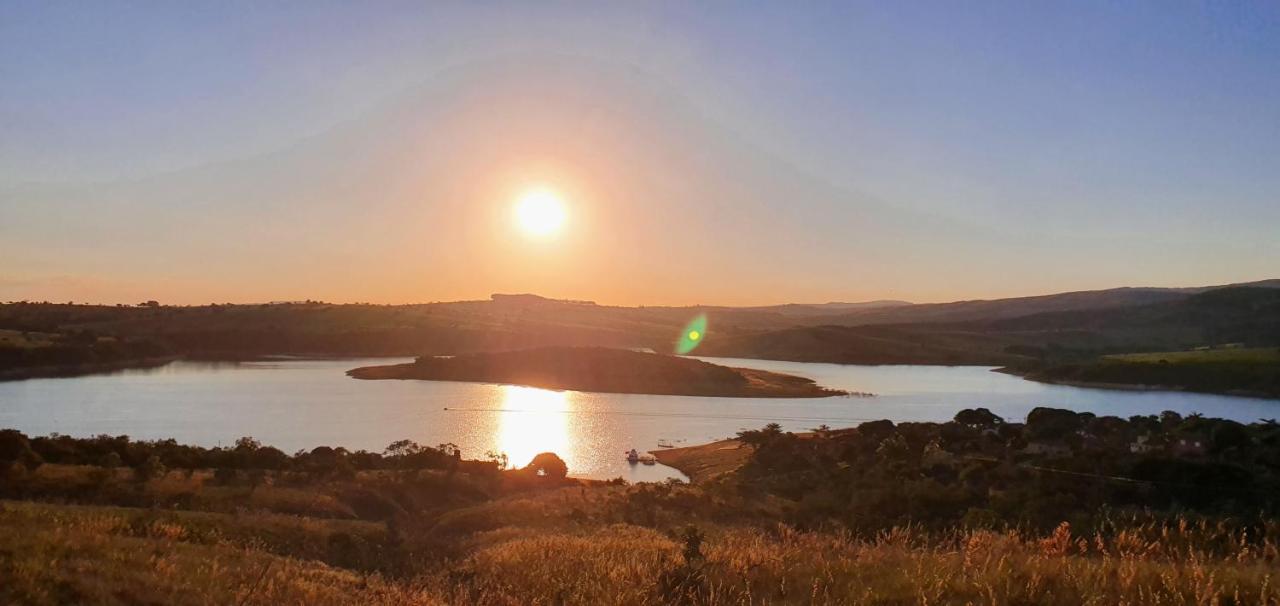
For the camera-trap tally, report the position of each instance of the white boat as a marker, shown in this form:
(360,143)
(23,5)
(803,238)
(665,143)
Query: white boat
(665,444)
(634,456)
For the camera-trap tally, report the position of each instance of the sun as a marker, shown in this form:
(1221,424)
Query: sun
(540,212)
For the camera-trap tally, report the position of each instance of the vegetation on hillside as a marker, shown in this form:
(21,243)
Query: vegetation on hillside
(1026,331)
(1063,509)
(1058,465)
(1248,372)
(1249,316)
(34,354)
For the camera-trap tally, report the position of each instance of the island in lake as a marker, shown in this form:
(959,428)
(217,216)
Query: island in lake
(602,369)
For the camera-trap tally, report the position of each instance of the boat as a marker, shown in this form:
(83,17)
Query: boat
(665,444)
(634,456)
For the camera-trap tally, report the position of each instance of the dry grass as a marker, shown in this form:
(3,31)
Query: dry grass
(1239,354)
(567,546)
(62,555)
(613,566)
(622,564)
(706,461)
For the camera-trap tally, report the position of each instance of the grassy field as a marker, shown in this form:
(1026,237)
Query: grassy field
(564,547)
(57,554)
(19,338)
(1248,355)
(766,523)
(1242,371)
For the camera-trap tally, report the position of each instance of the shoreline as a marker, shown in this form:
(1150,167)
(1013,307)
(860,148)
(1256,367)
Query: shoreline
(81,370)
(703,462)
(65,371)
(1139,387)
(364,375)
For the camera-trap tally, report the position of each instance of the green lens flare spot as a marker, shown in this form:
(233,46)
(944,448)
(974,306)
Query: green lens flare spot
(692,334)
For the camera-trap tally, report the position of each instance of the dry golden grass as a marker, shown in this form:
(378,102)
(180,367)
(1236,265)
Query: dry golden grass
(613,566)
(62,555)
(566,546)
(622,564)
(118,555)
(706,461)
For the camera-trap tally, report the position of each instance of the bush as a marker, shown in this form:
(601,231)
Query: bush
(548,465)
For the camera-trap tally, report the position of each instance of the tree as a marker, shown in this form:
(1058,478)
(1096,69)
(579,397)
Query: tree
(894,449)
(15,448)
(402,448)
(111,460)
(1052,423)
(759,438)
(224,475)
(269,458)
(1228,434)
(875,431)
(980,418)
(498,458)
(547,465)
(150,468)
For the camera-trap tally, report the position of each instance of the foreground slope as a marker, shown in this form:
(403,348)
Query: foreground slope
(940,513)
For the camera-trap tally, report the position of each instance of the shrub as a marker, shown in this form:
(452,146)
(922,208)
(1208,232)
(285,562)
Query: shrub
(547,465)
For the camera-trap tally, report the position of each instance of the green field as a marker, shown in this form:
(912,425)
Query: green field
(1239,354)
(1236,371)
(18,338)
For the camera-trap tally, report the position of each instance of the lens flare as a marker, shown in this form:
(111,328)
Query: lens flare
(693,334)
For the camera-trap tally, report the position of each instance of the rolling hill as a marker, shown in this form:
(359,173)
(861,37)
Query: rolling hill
(997,332)
(1248,315)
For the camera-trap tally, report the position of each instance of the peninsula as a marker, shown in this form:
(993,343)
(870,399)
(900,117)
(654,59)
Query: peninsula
(602,369)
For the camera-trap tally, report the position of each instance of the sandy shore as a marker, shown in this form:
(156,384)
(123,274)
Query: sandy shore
(705,461)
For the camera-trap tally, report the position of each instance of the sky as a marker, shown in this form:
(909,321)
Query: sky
(734,153)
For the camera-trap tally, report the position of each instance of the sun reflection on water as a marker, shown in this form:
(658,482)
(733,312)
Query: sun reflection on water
(535,420)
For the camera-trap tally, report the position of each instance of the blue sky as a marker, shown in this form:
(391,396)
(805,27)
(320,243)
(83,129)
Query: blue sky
(928,151)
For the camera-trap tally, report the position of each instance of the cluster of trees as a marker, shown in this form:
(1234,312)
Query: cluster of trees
(246,454)
(979,469)
(1260,377)
(80,349)
(315,328)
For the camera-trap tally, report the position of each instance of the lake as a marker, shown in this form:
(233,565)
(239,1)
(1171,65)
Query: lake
(297,404)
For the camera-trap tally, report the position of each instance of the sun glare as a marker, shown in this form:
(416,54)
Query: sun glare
(540,212)
(535,421)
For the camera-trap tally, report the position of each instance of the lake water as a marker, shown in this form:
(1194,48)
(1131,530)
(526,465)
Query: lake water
(302,404)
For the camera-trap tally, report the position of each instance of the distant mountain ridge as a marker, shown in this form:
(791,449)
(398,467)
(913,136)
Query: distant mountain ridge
(1194,318)
(991,309)
(834,307)
(1000,331)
